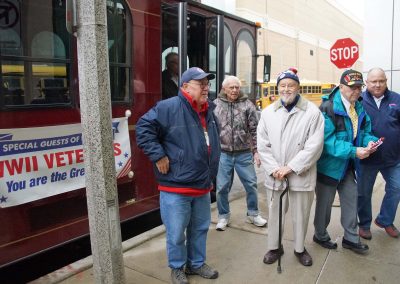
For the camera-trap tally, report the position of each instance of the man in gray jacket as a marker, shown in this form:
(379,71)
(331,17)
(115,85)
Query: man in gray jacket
(290,139)
(238,120)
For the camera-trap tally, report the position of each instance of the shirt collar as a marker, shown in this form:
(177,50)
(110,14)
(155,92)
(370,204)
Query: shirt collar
(345,102)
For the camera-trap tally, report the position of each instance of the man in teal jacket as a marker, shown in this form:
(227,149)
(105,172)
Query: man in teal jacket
(347,138)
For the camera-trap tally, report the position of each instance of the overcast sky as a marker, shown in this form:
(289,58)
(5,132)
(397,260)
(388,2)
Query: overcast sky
(354,6)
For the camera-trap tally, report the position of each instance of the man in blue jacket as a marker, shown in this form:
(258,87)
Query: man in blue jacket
(180,136)
(347,138)
(383,106)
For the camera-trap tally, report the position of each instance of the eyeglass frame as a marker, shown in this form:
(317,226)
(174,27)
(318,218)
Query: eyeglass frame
(202,85)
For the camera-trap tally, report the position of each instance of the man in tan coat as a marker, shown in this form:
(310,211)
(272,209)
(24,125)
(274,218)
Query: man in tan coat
(290,137)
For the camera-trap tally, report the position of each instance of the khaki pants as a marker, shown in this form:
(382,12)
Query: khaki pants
(300,205)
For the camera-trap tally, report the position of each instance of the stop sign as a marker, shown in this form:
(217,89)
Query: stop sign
(344,53)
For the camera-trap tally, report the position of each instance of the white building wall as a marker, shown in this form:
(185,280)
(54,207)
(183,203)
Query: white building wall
(299,33)
(228,6)
(382,39)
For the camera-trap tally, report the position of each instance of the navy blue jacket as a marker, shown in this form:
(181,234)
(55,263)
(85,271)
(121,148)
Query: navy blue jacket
(385,123)
(172,128)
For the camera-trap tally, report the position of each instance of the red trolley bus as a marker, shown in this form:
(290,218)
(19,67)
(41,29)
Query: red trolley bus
(39,88)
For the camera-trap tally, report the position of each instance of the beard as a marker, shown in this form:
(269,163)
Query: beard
(286,100)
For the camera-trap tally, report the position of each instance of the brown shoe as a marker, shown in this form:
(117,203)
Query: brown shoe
(365,233)
(271,256)
(391,230)
(304,257)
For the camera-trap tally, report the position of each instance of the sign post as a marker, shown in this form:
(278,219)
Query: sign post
(344,53)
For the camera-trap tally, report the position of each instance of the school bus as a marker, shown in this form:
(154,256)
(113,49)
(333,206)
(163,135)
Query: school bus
(311,90)
(327,88)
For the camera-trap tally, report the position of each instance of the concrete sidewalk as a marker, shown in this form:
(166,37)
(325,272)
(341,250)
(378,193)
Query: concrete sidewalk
(237,253)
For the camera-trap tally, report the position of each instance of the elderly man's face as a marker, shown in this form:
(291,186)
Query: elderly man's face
(232,90)
(288,89)
(198,90)
(376,83)
(351,93)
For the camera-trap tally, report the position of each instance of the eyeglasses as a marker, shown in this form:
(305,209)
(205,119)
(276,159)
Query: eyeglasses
(202,85)
(234,87)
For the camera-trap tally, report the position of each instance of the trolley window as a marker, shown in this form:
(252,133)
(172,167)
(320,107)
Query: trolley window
(35,54)
(244,61)
(119,49)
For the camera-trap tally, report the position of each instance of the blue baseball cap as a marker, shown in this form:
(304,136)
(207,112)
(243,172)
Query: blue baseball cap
(195,73)
(291,73)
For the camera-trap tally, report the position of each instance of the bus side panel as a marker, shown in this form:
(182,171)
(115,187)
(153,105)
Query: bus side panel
(147,86)
(39,225)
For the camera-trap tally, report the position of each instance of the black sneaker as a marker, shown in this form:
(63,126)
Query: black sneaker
(204,271)
(328,244)
(178,276)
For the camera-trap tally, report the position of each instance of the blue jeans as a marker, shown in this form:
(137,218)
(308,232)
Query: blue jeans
(243,164)
(181,214)
(390,201)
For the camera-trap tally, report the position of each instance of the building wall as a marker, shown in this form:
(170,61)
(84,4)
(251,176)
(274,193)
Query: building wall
(382,39)
(300,33)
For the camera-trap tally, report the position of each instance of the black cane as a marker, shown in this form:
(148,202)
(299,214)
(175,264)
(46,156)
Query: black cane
(280,225)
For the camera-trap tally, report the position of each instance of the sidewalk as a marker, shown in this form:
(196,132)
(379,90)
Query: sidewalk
(237,254)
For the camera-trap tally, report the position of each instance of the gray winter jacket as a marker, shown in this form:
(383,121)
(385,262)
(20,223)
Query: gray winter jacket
(237,122)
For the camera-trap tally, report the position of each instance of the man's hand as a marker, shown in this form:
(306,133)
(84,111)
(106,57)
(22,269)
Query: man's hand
(362,153)
(163,165)
(282,172)
(373,146)
(257,160)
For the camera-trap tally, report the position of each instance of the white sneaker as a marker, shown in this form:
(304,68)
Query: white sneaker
(222,224)
(256,220)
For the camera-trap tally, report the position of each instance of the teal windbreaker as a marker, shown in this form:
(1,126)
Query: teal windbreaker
(338,138)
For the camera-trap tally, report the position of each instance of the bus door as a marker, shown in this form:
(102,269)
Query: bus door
(193,43)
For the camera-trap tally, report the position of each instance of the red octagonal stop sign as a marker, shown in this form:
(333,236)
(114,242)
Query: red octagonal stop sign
(344,53)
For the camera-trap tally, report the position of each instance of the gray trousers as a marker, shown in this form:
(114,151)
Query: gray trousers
(348,195)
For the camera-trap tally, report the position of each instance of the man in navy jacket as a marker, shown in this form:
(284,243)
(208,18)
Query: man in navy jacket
(180,136)
(383,107)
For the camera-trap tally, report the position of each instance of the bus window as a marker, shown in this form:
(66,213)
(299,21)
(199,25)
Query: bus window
(32,59)
(244,62)
(49,84)
(119,50)
(47,44)
(212,51)
(228,50)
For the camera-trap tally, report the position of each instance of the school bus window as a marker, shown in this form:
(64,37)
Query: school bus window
(265,92)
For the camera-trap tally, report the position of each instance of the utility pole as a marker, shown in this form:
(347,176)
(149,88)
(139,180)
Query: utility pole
(95,104)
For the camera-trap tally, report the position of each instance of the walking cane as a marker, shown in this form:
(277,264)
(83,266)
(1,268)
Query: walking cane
(279,269)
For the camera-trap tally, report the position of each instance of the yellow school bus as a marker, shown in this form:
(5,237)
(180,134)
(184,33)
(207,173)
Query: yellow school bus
(311,90)
(327,88)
